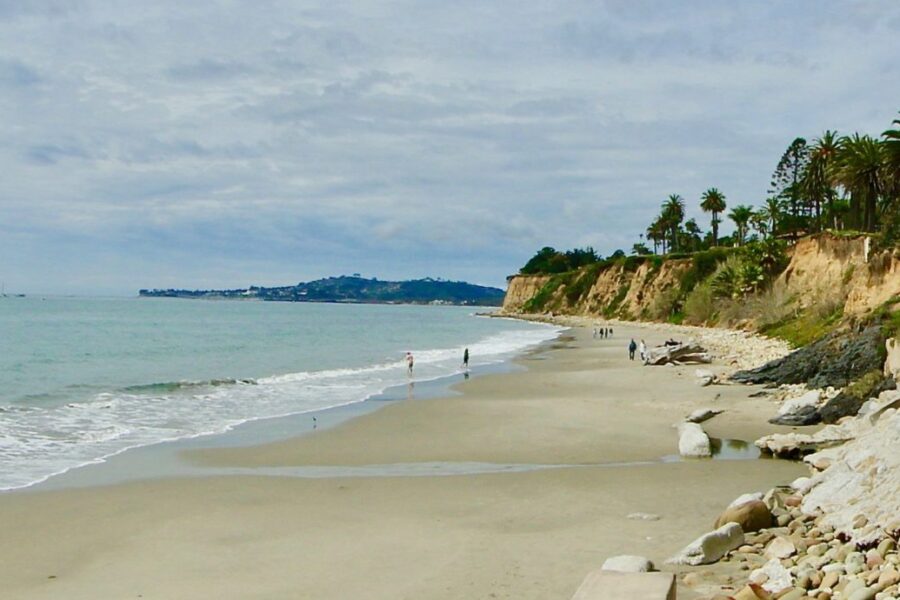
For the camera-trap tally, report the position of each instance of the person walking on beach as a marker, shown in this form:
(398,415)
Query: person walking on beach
(409,363)
(643,351)
(466,359)
(631,348)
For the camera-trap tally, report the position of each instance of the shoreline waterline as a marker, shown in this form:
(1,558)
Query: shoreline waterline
(102,397)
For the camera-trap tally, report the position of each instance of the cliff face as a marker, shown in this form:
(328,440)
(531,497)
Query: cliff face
(840,271)
(843,271)
(613,290)
(520,289)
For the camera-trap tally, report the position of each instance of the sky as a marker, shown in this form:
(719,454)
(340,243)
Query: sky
(222,144)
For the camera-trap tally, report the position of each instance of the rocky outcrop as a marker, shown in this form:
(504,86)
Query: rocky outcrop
(836,360)
(862,477)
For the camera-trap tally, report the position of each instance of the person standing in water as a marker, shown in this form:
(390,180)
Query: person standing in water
(631,348)
(466,359)
(409,363)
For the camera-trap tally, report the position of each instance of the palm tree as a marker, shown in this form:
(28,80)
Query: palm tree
(693,233)
(713,201)
(891,144)
(860,167)
(673,215)
(657,233)
(771,212)
(816,182)
(741,215)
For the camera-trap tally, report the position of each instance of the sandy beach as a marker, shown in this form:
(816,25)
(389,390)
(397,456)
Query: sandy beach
(594,426)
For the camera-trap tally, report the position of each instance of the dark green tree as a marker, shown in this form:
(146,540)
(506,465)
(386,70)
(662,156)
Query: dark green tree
(713,201)
(786,181)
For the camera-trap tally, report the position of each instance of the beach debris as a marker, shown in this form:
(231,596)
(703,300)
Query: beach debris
(693,441)
(642,516)
(678,353)
(627,563)
(710,547)
(752,515)
(702,414)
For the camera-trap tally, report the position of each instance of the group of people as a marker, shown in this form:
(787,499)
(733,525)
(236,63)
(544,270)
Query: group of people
(602,332)
(633,347)
(411,361)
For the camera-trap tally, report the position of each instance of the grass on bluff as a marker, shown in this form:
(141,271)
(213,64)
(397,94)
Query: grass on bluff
(807,327)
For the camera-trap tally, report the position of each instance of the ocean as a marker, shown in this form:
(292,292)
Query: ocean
(83,379)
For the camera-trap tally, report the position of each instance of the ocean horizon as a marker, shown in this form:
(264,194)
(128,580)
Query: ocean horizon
(87,378)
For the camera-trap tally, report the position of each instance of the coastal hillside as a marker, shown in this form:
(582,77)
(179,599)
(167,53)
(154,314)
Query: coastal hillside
(353,289)
(833,276)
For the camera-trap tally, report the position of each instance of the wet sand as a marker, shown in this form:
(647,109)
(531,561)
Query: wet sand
(531,534)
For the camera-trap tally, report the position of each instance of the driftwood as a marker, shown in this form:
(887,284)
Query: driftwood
(678,354)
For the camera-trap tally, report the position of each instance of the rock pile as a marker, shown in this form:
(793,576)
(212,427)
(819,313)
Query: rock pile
(803,556)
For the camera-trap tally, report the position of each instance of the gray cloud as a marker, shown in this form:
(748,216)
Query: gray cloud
(221,143)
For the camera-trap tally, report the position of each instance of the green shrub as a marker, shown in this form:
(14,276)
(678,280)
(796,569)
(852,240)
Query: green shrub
(699,307)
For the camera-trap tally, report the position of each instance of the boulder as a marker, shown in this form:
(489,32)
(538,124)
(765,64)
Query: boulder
(705,377)
(806,415)
(793,445)
(751,516)
(693,441)
(702,414)
(745,498)
(710,547)
(627,563)
(842,405)
(792,405)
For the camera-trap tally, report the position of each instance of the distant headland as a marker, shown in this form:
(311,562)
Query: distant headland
(353,289)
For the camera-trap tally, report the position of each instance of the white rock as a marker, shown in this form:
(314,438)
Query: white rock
(710,547)
(803,484)
(773,577)
(627,563)
(693,441)
(780,547)
(860,477)
(791,406)
(745,498)
(892,364)
(702,414)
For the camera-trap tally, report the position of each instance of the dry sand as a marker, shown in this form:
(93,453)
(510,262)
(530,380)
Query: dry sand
(512,535)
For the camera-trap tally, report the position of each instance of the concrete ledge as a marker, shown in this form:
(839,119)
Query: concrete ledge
(613,585)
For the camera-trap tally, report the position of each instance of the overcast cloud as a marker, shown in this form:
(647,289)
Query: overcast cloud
(222,144)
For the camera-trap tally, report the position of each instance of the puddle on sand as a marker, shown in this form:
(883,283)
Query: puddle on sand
(727,449)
